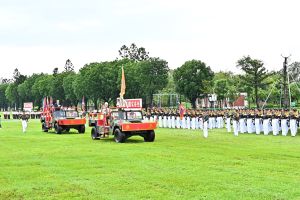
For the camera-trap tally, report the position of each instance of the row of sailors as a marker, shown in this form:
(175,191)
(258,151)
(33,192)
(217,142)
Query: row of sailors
(240,121)
(187,121)
(271,121)
(17,115)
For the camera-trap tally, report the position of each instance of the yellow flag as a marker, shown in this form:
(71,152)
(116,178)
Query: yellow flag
(123,84)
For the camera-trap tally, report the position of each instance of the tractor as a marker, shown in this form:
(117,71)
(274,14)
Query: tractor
(62,120)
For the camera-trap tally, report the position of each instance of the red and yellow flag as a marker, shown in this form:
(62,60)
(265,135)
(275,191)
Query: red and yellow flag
(123,84)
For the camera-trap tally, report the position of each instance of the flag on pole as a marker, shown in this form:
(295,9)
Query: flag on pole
(44,104)
(83,104)
(181,111)
(123,84)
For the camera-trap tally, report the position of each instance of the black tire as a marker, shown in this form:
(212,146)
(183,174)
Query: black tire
(67,130)
(94,134)
(149,136)
(119,136)
(81,129)
(44,128)
(58,129)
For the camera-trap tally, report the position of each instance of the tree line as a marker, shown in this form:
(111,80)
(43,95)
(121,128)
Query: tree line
(100,81)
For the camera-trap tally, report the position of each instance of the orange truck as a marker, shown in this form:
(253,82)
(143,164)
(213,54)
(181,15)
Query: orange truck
(122,123)
(62,121)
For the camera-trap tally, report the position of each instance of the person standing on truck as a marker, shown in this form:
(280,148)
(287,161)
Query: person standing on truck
(24,119)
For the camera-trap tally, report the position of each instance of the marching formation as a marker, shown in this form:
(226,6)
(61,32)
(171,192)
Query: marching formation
(268,121)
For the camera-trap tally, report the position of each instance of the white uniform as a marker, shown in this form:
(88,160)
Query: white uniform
(275,126)
(193,123)
(235,125)
(24,122)
(242,125)
(183,122)
(257,126)
(210,122)
(293,127)
(165,122)
(205,128)
(266,126)
(284,127)
(178,122)
(160,124)
(169,121)
(200,122)
(249,125)
(188,122)
(173,121)
(228,125)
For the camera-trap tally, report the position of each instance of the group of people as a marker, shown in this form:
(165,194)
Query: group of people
(235,120)
(18,114)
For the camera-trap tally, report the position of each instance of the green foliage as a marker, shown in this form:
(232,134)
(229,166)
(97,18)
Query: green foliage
(11,94)
(180,164)
(133,53)
(42,87)
(256,74)
(3,99)
(153,77)
(192,79)
(69,89)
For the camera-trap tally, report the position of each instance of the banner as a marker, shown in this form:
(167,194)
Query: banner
(134,103)
(28,106)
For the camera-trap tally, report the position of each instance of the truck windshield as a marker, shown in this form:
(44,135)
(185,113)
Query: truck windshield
(71,114)
(59,114)
(134,115)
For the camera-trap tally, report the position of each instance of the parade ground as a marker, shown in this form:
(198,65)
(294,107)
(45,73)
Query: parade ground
(179,164)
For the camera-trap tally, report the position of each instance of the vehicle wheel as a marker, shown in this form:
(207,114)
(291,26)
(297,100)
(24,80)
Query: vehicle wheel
(67,130)
(119,136)
(44,128)
(149,136)
(58,129)
(94,134)
(81,129)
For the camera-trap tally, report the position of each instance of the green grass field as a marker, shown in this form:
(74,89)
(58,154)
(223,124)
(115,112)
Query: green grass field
(180,164)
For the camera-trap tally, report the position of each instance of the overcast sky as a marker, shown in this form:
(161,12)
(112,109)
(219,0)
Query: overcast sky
(37,36)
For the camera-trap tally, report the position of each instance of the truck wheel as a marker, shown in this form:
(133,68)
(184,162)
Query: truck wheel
(149,136)
(44,128)
(119,136)
(58,129)
(81,129)
(94,134)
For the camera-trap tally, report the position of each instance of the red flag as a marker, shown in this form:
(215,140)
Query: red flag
(44,104)
(181,111)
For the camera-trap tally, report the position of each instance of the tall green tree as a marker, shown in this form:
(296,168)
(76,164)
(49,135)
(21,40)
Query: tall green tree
(294,71)
(193,79)
(3,99)
(69,89)
(12,96)
(256,74)
(153,77)
(133,53)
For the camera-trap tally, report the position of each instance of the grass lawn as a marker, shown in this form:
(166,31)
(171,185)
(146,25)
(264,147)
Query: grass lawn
(180,164)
